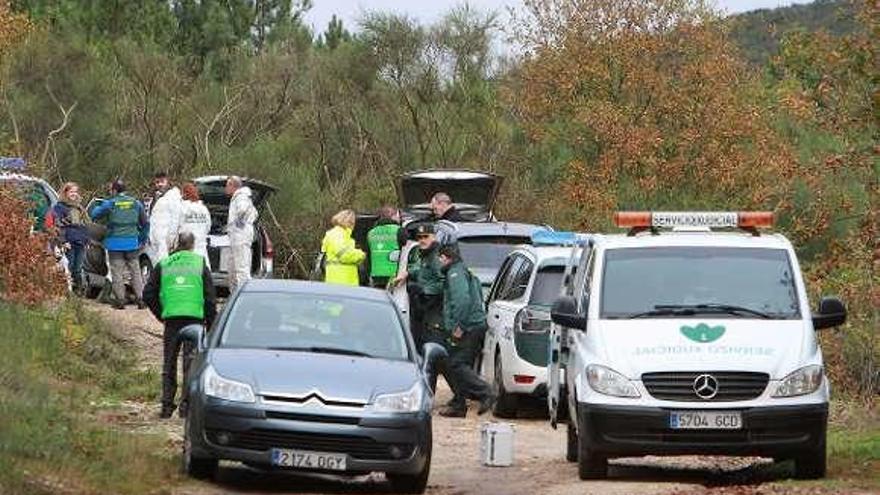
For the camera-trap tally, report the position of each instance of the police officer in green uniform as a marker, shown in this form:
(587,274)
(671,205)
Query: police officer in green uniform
(382,241)
(180,293)
(464,321)
(424,283)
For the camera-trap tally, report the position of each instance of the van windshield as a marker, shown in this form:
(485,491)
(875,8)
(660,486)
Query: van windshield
(683,282)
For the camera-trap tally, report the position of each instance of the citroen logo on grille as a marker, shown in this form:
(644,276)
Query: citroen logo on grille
(706,386)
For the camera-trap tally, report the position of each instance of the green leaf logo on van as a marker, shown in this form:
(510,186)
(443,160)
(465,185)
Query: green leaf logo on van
(703,333)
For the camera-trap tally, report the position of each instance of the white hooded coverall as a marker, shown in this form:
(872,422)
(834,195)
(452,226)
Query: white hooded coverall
(165,223)
(196,219)
(240,227)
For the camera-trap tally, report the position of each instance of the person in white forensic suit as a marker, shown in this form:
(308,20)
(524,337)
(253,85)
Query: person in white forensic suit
(165,215)
(196,219)
(240,228)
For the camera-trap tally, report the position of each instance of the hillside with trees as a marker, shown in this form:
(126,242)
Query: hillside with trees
(759,33)
(613,104)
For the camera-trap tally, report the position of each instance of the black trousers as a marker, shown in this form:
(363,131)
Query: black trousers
(172,344)
(465,382)
(426,319)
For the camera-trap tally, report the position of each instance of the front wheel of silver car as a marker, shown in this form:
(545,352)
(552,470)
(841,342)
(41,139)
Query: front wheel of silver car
(197,467)
(412,483)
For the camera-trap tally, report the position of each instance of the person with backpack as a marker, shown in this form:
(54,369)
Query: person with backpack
(464,320)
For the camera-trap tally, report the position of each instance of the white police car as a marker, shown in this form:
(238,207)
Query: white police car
(515,351)
(691,341)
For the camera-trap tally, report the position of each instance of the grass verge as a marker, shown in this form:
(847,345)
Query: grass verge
(55,364)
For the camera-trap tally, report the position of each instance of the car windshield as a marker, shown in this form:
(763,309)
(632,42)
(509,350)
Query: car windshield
(696,281)
(488,252)
(310,323)
(547,285)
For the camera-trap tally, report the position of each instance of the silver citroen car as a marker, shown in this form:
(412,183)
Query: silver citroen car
(310,376)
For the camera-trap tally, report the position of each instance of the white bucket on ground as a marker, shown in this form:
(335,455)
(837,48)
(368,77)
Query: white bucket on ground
(496,444)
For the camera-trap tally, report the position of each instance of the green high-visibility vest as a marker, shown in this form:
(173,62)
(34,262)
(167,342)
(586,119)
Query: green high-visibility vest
(382,240)
(181,289)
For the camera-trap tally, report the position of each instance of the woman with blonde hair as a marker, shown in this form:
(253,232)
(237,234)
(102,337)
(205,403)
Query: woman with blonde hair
(341,256)
(69,221)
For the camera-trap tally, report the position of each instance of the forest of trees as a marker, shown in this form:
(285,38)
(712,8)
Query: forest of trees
(657,104)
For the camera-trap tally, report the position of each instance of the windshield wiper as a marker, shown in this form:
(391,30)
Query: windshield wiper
(323,350)
(715,308)
(662,311)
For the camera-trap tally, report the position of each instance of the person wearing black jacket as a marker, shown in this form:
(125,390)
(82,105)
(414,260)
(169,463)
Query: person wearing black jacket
(444,208)
(180,292)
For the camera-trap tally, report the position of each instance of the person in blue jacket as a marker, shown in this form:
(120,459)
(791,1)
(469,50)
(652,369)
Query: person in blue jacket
(128,228)
(68,221)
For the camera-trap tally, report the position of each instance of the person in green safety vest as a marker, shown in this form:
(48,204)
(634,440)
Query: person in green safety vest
(382,243)
(180,293)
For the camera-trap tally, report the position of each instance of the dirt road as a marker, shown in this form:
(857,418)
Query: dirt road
(540,466)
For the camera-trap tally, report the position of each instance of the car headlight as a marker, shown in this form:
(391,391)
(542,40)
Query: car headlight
(609,382)
(801,382)
(226,389)
(399,402)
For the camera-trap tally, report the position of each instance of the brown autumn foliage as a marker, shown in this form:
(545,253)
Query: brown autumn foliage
(651,95)
(29,274)
(13,26)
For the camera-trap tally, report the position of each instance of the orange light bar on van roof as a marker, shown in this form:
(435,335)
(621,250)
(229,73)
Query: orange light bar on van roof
(632,219)
(669,219)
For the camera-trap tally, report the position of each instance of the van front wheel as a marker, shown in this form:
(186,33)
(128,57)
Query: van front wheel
(591,465)
(811,465)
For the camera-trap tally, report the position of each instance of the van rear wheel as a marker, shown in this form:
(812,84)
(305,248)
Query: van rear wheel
(812,464)
(591,465)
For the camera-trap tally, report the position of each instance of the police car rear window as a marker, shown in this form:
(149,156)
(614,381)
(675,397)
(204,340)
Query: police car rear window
(638,280)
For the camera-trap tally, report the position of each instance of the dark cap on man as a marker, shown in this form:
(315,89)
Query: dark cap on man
(425,229)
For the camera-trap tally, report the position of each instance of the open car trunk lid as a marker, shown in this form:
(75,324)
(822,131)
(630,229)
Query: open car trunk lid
(213,194)
(474,193)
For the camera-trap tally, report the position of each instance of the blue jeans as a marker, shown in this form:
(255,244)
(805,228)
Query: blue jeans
(75,257)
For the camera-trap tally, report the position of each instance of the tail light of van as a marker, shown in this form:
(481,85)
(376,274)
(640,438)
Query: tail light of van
(529,321)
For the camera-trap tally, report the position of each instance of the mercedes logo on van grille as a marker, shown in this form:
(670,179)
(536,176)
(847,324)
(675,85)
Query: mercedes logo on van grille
(706,386)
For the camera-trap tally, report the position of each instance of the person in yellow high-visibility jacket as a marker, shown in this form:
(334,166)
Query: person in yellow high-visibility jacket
(342,257)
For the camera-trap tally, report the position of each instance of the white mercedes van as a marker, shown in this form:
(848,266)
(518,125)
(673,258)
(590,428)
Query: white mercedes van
(690,334)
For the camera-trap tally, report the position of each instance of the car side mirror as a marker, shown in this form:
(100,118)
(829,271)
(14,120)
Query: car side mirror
(832,313)
(195,334)
(431,354)
(565,313)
